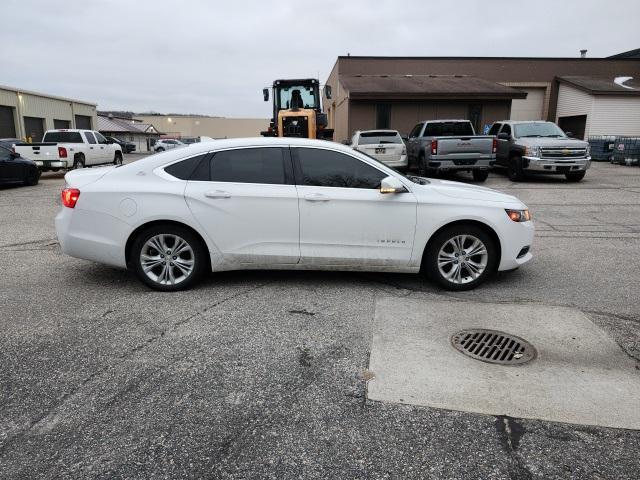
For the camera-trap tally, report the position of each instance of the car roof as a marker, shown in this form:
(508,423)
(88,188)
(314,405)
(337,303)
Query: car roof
(168,156)
(445,120)
(383,130)
(523,121)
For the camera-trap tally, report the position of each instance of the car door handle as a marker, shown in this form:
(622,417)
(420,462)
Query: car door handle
(218,194)
(316,197)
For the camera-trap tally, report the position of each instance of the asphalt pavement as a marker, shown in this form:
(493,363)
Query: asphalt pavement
(263,374)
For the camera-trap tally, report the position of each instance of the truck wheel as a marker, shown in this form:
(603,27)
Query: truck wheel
(160,149)
(480,175)
(78,162)
(460,257)
(514,170)
(422,166)
(575,177)
(117,159)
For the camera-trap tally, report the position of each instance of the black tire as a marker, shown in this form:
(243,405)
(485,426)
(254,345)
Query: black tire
(422,166)
(33,176)
(199,256)
(574,177)
(480,175)
(159,149)
(514,169)
(117,158)
(441,239)
(78,162)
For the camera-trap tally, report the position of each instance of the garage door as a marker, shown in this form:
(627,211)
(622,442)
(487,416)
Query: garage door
(83,122)
(7,125)
(531,107)
(34,128)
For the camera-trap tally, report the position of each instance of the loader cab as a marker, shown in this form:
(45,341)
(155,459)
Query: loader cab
(297,110)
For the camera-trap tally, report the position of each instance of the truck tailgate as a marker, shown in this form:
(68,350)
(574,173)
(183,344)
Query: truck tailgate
(464,147)
(37,151)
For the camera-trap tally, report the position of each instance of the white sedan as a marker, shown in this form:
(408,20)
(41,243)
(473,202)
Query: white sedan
(286,203)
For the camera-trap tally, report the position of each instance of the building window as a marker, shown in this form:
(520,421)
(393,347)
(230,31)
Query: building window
(383,115)
(61,124)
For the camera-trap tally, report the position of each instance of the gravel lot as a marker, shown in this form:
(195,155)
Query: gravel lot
(262,374)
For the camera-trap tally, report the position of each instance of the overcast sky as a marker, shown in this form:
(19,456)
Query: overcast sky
(213,58)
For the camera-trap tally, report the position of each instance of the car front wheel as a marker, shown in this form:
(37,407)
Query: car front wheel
(168,257)
(461,257)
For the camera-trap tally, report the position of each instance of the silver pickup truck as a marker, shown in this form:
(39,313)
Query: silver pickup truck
(539,147)
(450,145)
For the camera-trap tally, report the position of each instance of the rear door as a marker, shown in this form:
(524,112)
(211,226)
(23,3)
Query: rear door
(92,156)
(10,170)
(413,143)
(246,201)
(106,149)
(344,219)
(502,152)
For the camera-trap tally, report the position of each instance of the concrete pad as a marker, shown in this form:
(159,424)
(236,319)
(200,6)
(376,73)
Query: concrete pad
(580,376)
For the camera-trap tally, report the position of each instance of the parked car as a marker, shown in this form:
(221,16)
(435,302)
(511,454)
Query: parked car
(9,142)
(65,149)
(539,147)
(167,144)
(385,146)
(127,147)
(450,145)
(286,203)
(17,170)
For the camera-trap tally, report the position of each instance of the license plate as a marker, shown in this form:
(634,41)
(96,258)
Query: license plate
(381,150)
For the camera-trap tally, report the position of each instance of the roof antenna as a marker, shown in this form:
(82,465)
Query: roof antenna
(583,53)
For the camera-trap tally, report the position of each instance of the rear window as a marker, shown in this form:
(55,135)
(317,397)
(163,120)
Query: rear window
(448,129)
(368,138)
(63,137)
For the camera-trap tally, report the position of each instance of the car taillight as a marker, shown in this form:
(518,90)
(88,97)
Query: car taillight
(494,148)
(70,197)
(434,147)
(62,152)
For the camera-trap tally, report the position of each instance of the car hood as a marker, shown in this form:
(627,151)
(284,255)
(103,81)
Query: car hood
(552,142)
(465,191)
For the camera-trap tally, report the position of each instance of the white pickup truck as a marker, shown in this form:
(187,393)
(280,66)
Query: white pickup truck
(67,149)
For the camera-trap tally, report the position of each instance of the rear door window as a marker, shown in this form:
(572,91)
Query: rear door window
(90,138)
(185,168)
(506,128)
(495,128)
(249,165)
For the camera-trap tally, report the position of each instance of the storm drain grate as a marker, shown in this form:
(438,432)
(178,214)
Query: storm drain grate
(493,346)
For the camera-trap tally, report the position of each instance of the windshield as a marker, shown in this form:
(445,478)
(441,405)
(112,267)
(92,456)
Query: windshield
(368,138)
(297,96)
(538,129)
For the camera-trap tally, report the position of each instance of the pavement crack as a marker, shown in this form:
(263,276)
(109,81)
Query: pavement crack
(510,433)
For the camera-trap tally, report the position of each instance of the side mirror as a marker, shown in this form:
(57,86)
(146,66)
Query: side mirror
(569,134)
(504,136)
(14,155)
(265,94)
(327,91)
(391,185)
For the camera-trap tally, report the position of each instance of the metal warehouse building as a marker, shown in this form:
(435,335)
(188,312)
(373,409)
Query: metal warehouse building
(27,115)
(397,92)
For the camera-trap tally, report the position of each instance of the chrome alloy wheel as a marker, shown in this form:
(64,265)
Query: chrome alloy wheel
(462,259)
(167,259)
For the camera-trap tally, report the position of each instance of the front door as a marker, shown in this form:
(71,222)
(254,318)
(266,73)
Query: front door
(503,146)
(10,170)
(247,203)
(344,219)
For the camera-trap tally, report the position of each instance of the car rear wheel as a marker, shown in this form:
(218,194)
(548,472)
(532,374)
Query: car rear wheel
(575,177)
(33,176)
(422,166)
(480,175)
(159,149)
(168,258)
(461,257)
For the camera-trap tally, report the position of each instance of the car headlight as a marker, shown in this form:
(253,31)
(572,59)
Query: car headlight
(532,152)
(588,150)
(519,215)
